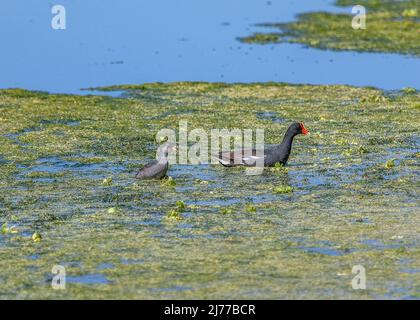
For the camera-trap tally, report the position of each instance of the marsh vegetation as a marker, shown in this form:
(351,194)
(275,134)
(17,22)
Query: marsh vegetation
(349,195)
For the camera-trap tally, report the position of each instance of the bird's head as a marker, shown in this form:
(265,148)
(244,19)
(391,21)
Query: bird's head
(165,149)
(297,128)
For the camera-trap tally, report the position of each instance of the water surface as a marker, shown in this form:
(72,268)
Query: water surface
(108,42)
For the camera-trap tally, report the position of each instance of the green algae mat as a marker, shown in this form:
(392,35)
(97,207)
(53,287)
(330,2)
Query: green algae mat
(348,197)
(391,26)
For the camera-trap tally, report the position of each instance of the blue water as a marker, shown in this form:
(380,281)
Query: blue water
(88,279)
(135,41)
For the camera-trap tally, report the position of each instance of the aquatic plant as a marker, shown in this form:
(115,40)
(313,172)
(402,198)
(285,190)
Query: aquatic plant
(283,189)
(107,181)
(169,182)
(5,229)
(250,208)
(391,26)
(262,38)
(112,210)
(36,237)
(343,207)
(410,13)
(226,210)
(409,90)
(390,164)
(278,167)
(180,205)
(174,215)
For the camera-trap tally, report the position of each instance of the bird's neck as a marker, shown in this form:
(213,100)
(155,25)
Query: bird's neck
(284,148)
(287,141)
(162,159)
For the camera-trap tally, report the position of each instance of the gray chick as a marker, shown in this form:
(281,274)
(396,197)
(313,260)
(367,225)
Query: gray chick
(157,169)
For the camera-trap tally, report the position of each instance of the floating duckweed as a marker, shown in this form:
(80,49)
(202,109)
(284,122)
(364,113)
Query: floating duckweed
(107,181)
(283,189)
(36,237)
(390,164)
(362,150)
(410,13)
(180,205)
(48,217)
(390,29)
(168,182)
(250,208)
(226,211)
(174,215)
(373,98)
(341,141)
(353,151)
(112,210)
(347,153)
(319,214)
(278,167)
(42,174)
(5,229)
(261,38)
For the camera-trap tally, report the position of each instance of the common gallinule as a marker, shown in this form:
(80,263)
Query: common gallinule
(276,154)
(157,169)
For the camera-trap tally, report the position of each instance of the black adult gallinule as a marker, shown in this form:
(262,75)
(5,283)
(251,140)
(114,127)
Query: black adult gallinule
(276,154)
(157,169)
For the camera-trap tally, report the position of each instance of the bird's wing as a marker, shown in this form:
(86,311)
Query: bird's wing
(149,165)
(246,157)
(151,169)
